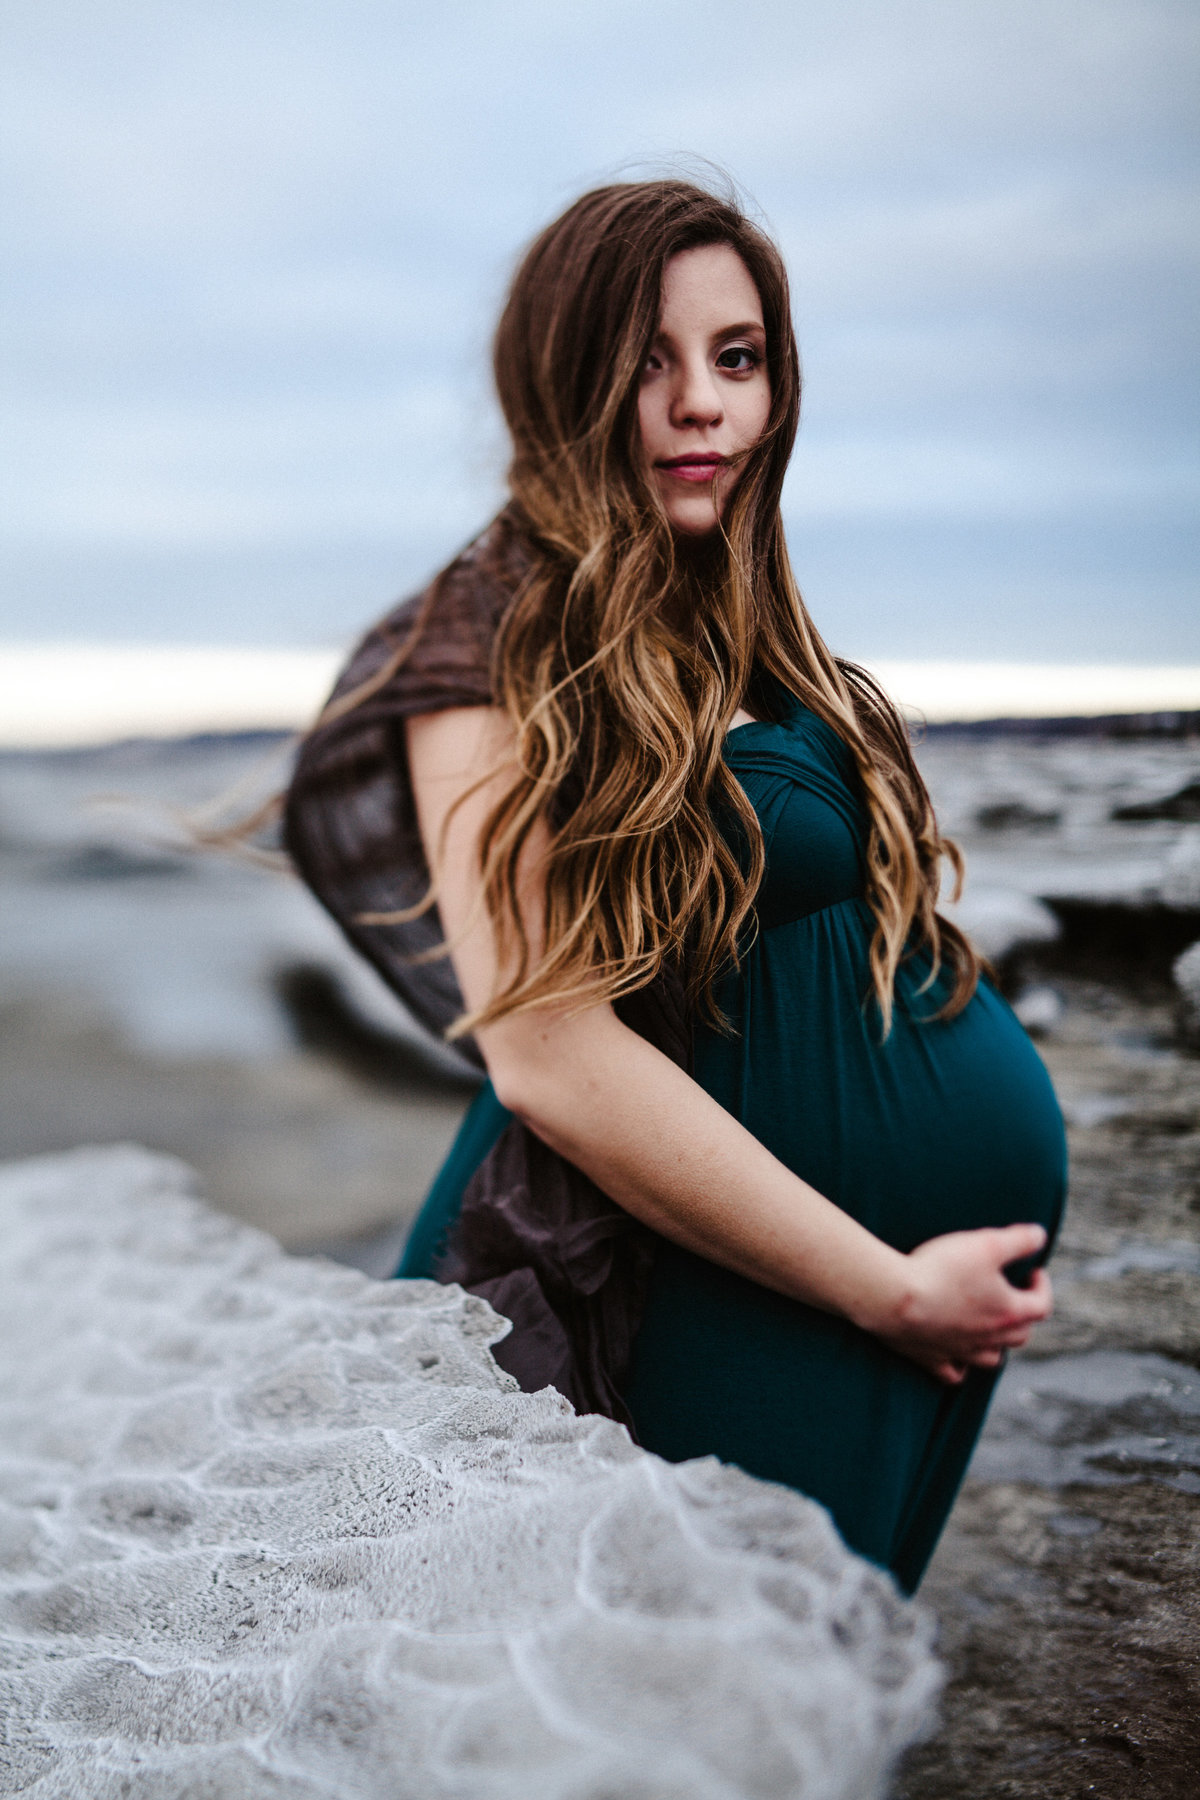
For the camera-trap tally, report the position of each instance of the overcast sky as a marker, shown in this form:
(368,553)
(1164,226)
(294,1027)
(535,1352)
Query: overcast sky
(254,248)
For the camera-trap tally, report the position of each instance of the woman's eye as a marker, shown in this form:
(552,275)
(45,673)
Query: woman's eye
(739,359)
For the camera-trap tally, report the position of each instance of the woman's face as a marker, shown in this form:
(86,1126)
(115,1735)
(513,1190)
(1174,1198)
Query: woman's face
(705,392)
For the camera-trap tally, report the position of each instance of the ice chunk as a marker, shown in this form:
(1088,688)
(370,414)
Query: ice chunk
(1040,1009)
(1186,972)
(269,1527)
(999,919)
(1181,871)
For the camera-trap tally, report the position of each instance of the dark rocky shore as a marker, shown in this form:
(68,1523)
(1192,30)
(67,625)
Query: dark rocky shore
(1068,1581)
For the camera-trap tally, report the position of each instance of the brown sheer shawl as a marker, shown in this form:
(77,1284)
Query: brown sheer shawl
(535,1237)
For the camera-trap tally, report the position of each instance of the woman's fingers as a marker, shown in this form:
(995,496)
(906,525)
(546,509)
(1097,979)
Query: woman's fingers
(1013,1339)
(1028,1306)
(1013,1243)
(1041,1290)
(962,1311)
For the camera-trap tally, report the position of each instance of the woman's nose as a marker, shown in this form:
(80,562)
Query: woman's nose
(696,400)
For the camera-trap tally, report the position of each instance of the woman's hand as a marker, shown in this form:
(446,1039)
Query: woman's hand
(959,1310)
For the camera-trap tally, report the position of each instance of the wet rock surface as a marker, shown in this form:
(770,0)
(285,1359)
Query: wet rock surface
(1068,1581)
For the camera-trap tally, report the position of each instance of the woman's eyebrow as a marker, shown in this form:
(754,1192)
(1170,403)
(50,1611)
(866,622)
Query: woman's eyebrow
(747,328)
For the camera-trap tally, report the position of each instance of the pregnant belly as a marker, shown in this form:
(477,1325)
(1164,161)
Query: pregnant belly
(948,1125)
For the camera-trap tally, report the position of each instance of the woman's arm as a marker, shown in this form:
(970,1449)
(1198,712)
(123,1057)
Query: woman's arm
(652,1139)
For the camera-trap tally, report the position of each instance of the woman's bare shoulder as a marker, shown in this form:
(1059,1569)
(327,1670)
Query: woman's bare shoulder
(458,745)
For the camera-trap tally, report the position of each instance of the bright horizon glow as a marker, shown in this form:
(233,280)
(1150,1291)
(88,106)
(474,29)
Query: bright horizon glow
(59,695)
(72,695)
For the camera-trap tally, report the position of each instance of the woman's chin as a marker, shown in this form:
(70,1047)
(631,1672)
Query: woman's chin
(696,520)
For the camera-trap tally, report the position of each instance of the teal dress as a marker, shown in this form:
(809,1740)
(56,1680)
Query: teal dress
(944,1126)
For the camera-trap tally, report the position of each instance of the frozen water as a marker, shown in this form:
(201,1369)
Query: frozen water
(270,1528)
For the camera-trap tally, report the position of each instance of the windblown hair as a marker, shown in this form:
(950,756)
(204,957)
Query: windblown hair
(622,661)
(624,656)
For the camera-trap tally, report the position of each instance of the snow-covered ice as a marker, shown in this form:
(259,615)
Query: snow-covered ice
(270,1528)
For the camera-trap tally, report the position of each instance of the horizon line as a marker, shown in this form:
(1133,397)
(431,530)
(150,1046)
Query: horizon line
(80,693)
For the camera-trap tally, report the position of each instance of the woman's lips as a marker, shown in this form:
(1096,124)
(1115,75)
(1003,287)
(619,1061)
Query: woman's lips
(692,468)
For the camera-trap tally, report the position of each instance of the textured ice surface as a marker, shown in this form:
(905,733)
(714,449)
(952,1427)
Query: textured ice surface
(269,1528)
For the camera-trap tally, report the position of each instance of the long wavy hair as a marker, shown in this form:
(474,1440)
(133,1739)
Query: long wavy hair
(625,654)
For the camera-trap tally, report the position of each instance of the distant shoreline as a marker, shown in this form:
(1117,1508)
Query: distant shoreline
(70,696)
(1109,726)
(1167,723)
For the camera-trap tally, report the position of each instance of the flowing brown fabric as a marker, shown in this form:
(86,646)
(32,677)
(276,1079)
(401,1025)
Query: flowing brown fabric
(535,1237)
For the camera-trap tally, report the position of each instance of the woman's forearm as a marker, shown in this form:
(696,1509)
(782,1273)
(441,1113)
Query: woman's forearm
(663,1149)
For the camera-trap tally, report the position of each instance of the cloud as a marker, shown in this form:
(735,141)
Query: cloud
(254,253)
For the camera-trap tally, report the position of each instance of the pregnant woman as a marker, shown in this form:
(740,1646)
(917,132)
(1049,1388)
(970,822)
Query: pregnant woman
(764,1167)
